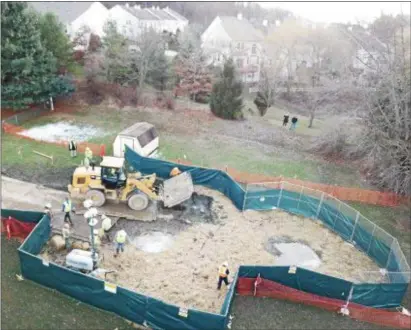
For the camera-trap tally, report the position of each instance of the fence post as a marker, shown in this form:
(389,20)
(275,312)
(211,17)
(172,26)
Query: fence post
(281,193)
(320,204)
(355,226)
(372,236)
(245,196)
(337,217)
(389,255)
(299,199)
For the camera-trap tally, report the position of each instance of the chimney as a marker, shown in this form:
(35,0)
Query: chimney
(240,16)
(127,5)
(277,23)
(265,23)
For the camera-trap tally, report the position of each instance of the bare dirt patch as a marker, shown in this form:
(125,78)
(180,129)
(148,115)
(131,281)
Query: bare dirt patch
(186,272)
(177,261)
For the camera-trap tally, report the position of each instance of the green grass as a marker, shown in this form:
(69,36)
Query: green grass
(218,154)
(26,305)
(11,146)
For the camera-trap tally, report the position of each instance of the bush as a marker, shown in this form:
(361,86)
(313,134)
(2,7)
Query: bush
(226,98)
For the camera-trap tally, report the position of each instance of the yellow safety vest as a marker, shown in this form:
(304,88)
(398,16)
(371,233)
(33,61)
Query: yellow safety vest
(88,153)
(67,206)
(222,271)
(121,237)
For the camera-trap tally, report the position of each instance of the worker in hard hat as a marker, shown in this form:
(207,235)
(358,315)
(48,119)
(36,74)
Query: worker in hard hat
(66,232)
(120,240)
(175,171)
(223,273)
(67,208)
(88,157)
(106,225)
(49,212)
(97,241)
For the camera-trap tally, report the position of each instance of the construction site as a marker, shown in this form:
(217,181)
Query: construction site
(183,223)
(176,257)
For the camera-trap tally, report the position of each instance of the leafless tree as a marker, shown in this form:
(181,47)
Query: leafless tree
(386,140)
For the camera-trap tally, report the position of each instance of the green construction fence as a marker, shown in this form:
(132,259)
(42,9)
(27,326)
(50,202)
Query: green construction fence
(157,314)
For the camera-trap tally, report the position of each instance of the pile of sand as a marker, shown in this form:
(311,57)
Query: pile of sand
(186,273)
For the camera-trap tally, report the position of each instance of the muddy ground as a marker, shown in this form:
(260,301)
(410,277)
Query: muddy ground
(51,177)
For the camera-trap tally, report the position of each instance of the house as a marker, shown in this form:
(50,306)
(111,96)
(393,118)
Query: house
(75,15)
(234,37)
(131,20)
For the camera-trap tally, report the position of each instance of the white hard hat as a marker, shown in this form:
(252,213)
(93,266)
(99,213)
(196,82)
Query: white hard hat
(66,225)
(48,205)
(95,231)
(225,263)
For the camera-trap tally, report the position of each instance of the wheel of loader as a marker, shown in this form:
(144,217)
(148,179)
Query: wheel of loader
(138,201)
(97,197)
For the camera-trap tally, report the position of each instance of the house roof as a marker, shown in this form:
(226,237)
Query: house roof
(240,30)
(175,14)
(137,129)
(161,14)
(66,11)
(140,13)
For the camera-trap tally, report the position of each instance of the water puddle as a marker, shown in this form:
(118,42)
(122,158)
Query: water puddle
(297,254)
(62,131)
(153,242)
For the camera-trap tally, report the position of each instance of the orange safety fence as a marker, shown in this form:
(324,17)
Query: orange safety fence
(270,289)
(341,193)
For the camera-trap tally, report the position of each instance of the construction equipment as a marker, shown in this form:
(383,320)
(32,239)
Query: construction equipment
(110,181)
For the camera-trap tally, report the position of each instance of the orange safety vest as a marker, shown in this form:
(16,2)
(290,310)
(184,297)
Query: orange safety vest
(222,271)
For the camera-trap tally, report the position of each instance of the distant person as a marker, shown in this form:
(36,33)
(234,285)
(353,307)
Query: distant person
(285,120)
(67,208)
(223,273)
(97,241)
(294,121)
(73,148)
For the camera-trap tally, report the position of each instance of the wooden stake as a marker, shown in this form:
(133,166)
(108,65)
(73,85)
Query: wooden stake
(46,156)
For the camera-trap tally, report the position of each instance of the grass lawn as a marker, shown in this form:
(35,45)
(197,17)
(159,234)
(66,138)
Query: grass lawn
(26,305)
(270,314)
(11,145)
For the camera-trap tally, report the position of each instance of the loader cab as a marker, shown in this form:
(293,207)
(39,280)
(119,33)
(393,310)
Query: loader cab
(113,174)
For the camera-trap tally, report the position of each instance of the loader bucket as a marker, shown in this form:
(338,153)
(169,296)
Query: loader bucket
(177,189)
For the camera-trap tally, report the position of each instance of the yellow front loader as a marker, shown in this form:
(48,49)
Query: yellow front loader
(109,181)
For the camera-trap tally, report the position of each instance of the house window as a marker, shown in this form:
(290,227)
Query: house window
(239,63)
(254,49)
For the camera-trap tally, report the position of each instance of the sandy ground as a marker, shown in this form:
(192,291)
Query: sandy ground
(186,273)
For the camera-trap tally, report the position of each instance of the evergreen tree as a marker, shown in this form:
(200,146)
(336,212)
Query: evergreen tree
(160,74)
(28,70)
(54,38)
(226,100)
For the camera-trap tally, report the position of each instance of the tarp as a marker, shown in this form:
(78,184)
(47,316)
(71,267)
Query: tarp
(214,179)
(133,306)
